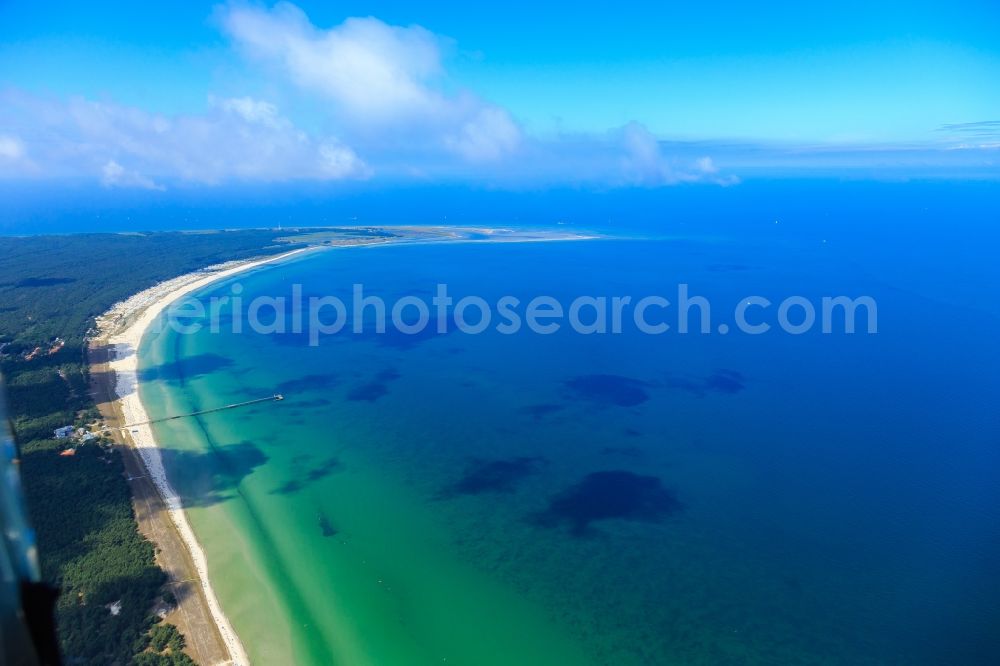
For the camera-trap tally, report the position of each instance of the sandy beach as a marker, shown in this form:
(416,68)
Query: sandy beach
(120,331)
(122,328)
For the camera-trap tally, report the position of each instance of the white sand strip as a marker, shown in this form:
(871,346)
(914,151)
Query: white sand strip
(123,326)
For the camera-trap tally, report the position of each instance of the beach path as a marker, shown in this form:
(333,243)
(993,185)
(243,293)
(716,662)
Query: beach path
(191,615)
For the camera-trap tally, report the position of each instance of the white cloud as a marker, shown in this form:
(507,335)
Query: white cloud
(251,110)
(339,161)
(644,162)
(235,139)
(249,140)
(382,89)
(706,165)
(487,136)
(11,148)
(367,66)
(381,79)
(115,175)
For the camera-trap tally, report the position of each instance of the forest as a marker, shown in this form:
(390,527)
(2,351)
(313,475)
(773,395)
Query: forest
(90,548)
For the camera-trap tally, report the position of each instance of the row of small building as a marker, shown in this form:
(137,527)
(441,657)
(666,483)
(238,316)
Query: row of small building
(69,431)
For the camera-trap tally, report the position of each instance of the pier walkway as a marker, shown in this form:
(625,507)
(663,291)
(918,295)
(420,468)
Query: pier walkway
(270,398)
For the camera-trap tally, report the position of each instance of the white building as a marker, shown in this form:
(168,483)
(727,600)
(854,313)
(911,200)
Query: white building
(64,432)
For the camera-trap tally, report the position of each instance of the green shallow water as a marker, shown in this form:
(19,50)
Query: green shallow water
(386,589)
(354,523)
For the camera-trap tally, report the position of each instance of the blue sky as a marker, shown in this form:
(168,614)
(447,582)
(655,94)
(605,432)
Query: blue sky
(651,93)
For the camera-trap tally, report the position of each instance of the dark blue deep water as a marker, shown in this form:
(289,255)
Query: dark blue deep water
(660,499)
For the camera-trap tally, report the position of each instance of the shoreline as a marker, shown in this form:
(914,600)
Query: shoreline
(122,328)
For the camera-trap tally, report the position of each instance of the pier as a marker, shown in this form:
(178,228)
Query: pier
(245,403)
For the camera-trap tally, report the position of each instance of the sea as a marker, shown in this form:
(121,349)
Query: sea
(621,497)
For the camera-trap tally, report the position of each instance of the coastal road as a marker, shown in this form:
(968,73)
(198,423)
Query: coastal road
(192,617)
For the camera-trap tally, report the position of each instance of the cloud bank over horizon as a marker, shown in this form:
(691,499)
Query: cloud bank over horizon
(241,139)
(380,79)
(388,108)
(387,100)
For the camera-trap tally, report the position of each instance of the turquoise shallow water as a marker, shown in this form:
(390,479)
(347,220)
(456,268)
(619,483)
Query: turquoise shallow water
(607,499)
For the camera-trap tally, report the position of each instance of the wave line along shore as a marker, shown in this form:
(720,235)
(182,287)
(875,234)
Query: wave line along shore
(122,328)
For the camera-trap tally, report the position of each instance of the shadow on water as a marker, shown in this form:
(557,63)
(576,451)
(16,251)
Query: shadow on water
(391,337)
(296,406)
(396,339)
(626,451)
(303,477)
(208,478)
(374,389)
(720,381)
(187,368)
(492,476)
(326,527)
(307,383)
(540,411)
(43,281)
(610,390)
(609,495)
